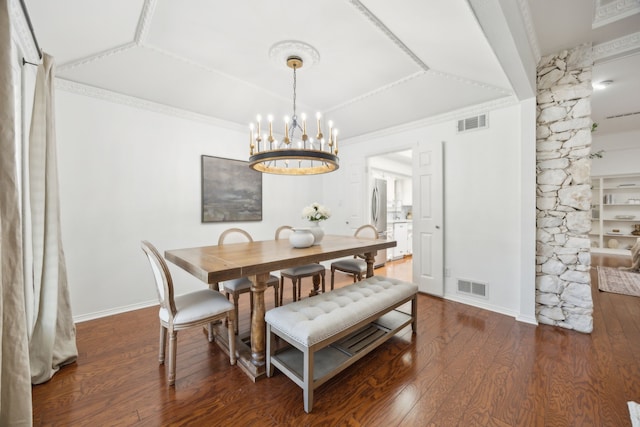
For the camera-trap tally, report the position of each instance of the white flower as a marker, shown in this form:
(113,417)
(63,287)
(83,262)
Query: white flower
(316,212)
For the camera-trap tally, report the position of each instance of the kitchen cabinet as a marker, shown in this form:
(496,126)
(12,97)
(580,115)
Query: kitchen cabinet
(615,213)
(400,236)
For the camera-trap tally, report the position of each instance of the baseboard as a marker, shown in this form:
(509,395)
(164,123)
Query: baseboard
(112,311)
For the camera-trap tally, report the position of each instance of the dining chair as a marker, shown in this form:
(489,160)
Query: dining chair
(356,266)
(242,285)
(296,274)
(198,308)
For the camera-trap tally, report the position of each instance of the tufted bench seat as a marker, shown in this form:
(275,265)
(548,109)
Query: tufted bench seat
(331,331)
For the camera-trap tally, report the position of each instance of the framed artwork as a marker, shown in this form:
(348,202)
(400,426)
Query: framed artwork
(231,191)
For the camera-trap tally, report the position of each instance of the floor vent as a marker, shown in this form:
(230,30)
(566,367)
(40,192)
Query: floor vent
(470,287)
(471,123)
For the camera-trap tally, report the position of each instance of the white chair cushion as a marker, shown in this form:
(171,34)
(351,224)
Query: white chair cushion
(243,283)
(351,265)
(303,270)
(317,318)
(197,306)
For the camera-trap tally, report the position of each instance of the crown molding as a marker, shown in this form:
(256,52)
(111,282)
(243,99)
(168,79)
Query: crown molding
(131,101)
(495,104)
(21,33)
(144,23)
(529,27)
(387,32)
(100,55)
(614,11)
(413,76)
(616,47)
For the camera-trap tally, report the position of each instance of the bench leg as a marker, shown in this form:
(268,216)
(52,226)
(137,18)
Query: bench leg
(414,314)
(270,347)
(308,380)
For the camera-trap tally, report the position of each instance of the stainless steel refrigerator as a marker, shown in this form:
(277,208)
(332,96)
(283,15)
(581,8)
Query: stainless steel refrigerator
(379,216)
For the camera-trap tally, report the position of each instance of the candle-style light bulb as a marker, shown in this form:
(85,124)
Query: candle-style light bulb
(330,134)
(270,119)
(251,145)
(335,141)
(258,139)
(286,139)
(319,135)
(304,127)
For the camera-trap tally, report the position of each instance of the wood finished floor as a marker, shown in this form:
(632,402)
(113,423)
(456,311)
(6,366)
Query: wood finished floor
(464,367)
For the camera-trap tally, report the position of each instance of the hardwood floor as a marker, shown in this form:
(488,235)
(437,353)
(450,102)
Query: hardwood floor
(465,366)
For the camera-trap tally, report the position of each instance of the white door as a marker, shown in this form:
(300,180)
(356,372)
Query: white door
(355,202)
(428,230)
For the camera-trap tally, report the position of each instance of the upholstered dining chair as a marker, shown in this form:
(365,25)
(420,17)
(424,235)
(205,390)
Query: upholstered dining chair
(235,287)
(296,274)
(196,308)
(356,266)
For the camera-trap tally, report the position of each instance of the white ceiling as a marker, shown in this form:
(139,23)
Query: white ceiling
(381,63)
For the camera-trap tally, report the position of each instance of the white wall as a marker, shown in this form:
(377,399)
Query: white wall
(128,174)
(482,203)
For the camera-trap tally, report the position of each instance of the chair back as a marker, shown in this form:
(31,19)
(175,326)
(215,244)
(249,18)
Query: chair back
(162,276)
(234,235)
(283,232)
(367,231)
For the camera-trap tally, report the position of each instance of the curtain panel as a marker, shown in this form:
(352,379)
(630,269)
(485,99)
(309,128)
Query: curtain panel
(15,384)
(52,341)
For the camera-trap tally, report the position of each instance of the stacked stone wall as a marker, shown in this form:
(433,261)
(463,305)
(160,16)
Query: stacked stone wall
(563,145)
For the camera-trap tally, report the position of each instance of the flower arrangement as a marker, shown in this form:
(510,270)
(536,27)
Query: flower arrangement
(316,212)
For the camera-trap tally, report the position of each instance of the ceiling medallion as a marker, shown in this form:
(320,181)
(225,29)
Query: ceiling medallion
(295,154)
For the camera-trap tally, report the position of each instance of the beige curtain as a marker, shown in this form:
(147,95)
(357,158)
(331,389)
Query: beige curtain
(15,384)
(52,341)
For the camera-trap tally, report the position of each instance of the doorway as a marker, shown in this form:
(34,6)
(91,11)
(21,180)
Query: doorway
(394,171)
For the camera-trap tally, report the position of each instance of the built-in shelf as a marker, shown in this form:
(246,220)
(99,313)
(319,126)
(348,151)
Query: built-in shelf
(613,196)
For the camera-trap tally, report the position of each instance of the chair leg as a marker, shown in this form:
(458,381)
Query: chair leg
(281,288)
(275,294)
(232,339)
(173,344)
(235,313)
(210,333)
(333,274)
(297,283)
(322,279)
(163,343)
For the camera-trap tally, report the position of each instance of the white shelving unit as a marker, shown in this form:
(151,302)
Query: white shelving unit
(615,212)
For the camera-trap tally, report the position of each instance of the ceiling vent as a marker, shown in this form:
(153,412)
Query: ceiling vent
(470,287)
(471,123)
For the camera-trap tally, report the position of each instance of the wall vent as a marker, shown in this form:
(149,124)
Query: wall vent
(471,123)
(474,288)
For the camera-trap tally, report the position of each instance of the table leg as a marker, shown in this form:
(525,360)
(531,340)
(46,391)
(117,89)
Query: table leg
(259,284)
(370,259)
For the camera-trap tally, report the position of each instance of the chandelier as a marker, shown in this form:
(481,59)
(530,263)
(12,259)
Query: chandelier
(297,153)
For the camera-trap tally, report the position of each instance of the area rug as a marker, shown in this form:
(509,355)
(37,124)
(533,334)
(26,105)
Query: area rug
(618,281)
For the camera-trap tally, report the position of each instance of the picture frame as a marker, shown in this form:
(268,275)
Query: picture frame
(231,191)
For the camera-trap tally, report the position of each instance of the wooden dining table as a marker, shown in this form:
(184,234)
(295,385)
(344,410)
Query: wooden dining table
(256,260)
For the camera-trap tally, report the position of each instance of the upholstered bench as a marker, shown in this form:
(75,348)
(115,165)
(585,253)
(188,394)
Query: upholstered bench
(329,332)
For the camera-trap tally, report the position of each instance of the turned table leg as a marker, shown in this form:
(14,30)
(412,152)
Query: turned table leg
(370,259)
(259,284)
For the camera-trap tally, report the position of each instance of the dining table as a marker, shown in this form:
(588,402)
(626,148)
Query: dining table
(257,260)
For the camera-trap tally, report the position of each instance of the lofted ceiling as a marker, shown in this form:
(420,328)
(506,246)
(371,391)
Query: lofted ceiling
(372,64)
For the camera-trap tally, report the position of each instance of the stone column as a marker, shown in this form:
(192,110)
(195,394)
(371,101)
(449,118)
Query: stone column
(563,144)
